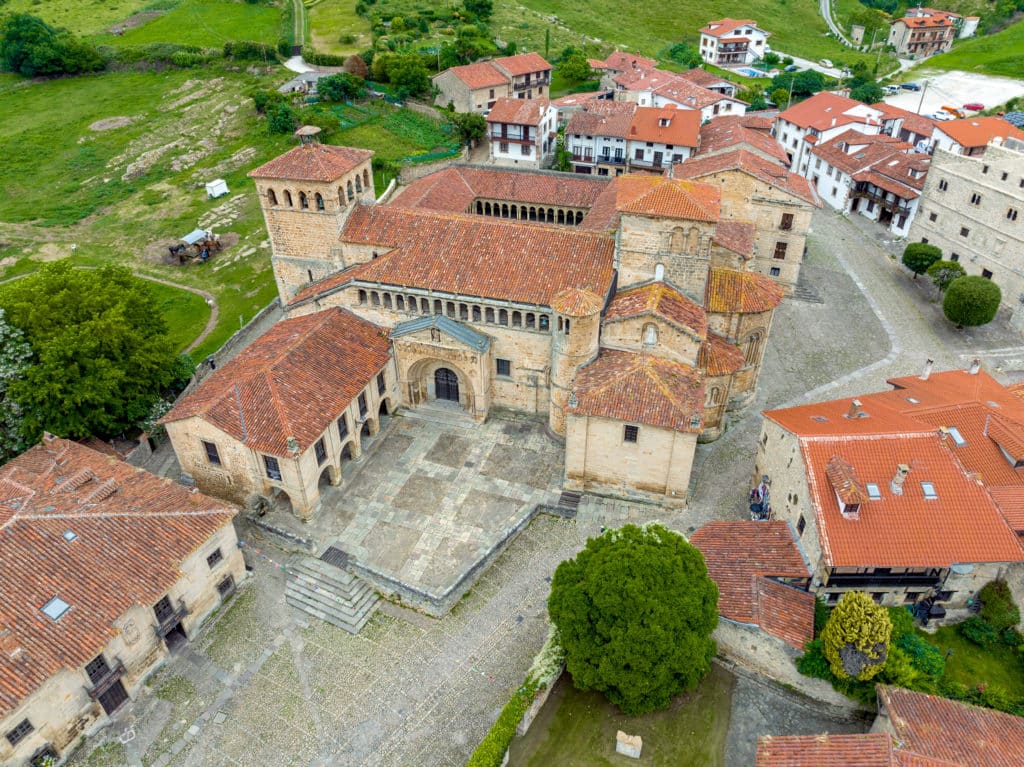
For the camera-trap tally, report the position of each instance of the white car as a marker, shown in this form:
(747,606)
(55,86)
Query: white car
(826,63)
(941,116)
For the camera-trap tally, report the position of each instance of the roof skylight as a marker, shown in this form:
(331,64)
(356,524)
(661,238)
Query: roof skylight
(873,492)
(55,608)
(958,438)
(928,489)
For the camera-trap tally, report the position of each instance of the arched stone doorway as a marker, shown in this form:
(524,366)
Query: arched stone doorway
(446,385)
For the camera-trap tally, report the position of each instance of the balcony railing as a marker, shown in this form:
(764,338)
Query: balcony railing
(587,158)
(647,163)
(105,682)
(166,626)
(511,139)
(522,86)
(883,581)
(881,199)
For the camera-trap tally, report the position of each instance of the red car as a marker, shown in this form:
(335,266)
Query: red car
(974,107)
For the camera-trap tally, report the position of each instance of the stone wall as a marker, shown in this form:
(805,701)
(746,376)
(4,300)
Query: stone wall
(413,171)
(683,252)
(672,343)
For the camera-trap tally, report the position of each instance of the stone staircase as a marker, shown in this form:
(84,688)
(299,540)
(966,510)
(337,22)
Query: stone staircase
(327,592)
(805,292)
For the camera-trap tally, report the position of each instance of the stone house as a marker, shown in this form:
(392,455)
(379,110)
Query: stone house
(282,418)
(731,42)
(751,132)
(476,87)
(106,566)
(521,132)
(655,88)
(877,176)
(907,126)
(971,209)
(924,32)
(910,495)
(617,63)
(818,119)
(533,291)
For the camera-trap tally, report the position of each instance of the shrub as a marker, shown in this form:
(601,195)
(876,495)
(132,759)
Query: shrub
(322,59)
(280,118)
(977,630)
(812,663)
(821,613)
(492,748)
(249,50)
(341,87)
(918,256)
(902,622)
(856,637)
(944,272)
(971,301)
(925,657)
(31,47)
(997,606)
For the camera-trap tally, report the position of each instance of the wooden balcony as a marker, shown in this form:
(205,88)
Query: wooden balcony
(105,682)
(166,626)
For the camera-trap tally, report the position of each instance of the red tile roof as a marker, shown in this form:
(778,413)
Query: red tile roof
(683,128)
(663,301)
(718,356)
(826,110)
(620,61)
(483,74)
(684,93)
(737,236)
(886,162)
(729,290)
(293,381)
(752,164)
(602,118)
(576,99)
(665,197)
(642,389)
(724,27)
(855,750)
(577,302)
(978,131)
(1010,501)
(313,162)
(133,528)
(522,63)
(727,132)
(518,111)
(473,255)
(704,78)
(957,732)
(741,557)
(452,189)
(912,121)
(843,478)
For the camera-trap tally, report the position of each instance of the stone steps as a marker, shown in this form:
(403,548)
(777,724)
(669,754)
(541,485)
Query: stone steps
(329,593)
(802,292)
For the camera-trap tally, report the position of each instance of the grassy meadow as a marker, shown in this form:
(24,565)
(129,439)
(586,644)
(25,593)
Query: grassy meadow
(83,17)
(331,20)
(998,54)
(206,23)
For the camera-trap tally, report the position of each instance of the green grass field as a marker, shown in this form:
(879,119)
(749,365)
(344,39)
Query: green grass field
(971,665)
(82,18)
(206,23)
(998,54)
(329,20)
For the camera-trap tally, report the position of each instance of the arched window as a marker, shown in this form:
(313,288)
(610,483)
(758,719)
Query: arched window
(504,210)
(517,319)
(319,201)
(288,198)
(694,240)
(271,197)
(375,298)
(650,335)
(362,296)
(341,196)
(366,178)
(567,326)
(561,217)
(479,208)
(438,307)
(359,184)
(753,351)
(351,192)
(400,303)
(714,395)
(579,216)
(551,215)
(450,309)
(544,322)
(424,306)
(303,201)
(488,315)
(476,314)
(503,317)
(659,272)
(387,300)
(559,324)
(677,240)
(531,320)
(463,312)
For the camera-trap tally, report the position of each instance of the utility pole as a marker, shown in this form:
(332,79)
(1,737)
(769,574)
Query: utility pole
(920,103)
(792,79)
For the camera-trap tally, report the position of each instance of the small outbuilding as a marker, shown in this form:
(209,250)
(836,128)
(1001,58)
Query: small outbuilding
(216,188)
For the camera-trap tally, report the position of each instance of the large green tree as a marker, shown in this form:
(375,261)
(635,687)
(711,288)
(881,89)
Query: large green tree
(635,611)
(856,637)
(341,87)
(100,353)
(15,354)
(469,126)
(575,68)
(918,256)
(971,301)
(944,272)
(31,47)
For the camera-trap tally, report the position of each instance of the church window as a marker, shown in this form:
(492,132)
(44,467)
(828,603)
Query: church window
(477,314)
(479,208)
(517,319)
(504,367)
(343,427)
(387,300)
(579,216)
(341,196)
(381,383)
(559,324)
(438,307)
(361,401)
(650,335)
(288,198)
(543,322)
(400,303)
(631,433)
(319,201)
(488,314)
(351,193)
(714,396)
(503,317)
(531,320)
(801,525)
(271,197)
(450,309)
(659,272)
(366,178)
(424,305)
(753,351)
(362,296)
(463,312)
(359,183)
(375,298)
(303,201)
(676,243)
(567,327)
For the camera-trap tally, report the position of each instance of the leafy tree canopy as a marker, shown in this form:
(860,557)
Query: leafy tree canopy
(575,68)
(944,272)
(971,301)
(100,353)
(918,256)
(341,87)
(685,54)
(482,9)
(856,637)
(15,354)
(31,47)
(469,126)
(869,93)
(635,611)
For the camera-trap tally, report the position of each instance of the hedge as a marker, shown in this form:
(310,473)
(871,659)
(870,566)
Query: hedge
(492,748)
(322,59)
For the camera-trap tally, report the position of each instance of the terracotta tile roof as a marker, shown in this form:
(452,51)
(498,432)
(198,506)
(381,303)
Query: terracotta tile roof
(471,255)
(620,61)
(752,164)
(1010,501)
(727,132)
(759,121)
(961,525)
(741,556)
(483,74)
(737,236)
(132,537)
(855,750)
(603,215)
(685,93)
(683,127)
(978,131)
(602,118)
(718,356)
(666,197)
(290,382)
(577,302)
(844,481)
(927,22)
(1008,435)
(957,732)
(313,162)
(729,290)
(576,99)
(724,27)
(825,110)
(886,162)
(639,388)
(704,78)
(912,121)
(643,79)
(452,189)
(522,63)
(519,111)
(662,301)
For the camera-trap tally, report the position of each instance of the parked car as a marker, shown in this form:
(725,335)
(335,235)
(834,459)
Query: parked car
(826,63)
(941,116)
(792,68)
(974,106)
(910,86)
(891,90)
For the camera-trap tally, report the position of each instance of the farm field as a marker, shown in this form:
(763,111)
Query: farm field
(998,54)
(206,23)
(329,20)
(82,18)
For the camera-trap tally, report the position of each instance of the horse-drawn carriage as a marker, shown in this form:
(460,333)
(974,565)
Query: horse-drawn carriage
(198,245)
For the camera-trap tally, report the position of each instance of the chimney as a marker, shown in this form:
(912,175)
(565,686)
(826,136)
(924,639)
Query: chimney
(293,445)
(928,363)
(897,481)
(975,367)
(855,411)
(9,644)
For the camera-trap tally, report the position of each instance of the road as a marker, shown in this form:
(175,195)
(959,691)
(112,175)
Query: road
(825,8)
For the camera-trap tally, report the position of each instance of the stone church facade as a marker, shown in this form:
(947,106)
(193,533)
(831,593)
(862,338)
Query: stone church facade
(617,309)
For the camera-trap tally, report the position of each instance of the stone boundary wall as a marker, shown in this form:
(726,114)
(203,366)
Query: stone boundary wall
(411,172)
(538,703)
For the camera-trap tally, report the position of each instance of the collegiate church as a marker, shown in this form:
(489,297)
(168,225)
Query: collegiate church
(629,312)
